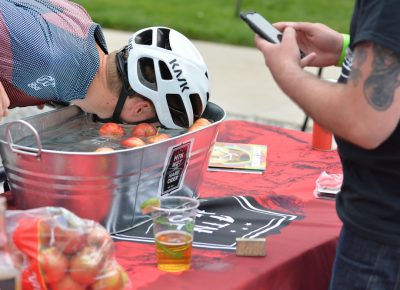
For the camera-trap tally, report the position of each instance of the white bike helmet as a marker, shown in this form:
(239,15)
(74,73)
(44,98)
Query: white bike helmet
(164,66)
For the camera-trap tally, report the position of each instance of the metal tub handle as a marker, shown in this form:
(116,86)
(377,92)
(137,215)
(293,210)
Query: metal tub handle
(19,149)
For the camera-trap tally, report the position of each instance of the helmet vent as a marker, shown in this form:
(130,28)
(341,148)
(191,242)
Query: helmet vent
(197,106)
(163,38)
(145,38)
(146,73)
(164,70)
(177,110)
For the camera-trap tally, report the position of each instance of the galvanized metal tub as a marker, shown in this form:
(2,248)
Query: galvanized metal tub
(107,187)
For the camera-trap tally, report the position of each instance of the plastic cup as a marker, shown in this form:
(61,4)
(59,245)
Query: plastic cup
(322,139)
(173,224)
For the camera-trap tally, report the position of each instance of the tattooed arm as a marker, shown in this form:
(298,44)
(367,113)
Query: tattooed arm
(365,111)
(374,85)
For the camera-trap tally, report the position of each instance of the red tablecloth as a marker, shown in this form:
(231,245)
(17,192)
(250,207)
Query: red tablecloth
(299,255)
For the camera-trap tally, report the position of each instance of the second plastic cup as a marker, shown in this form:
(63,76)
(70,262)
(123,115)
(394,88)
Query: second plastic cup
(322,139)
(173,225)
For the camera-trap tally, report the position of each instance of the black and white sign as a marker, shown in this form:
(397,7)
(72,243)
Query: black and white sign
(175,167)
(220,221)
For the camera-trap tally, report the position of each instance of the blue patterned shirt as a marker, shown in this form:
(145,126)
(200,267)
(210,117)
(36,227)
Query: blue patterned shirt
(47,50)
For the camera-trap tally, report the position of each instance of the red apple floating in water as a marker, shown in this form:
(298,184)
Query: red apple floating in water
(198,124)
(111,130)
(143,130)
(132,142)
(157,138)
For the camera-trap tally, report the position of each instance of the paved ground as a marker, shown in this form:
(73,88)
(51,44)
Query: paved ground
(241,84)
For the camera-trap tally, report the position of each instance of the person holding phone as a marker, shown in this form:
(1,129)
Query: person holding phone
(363,112)
(52,51)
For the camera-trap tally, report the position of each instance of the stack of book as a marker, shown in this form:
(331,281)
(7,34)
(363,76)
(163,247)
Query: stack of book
(238,157)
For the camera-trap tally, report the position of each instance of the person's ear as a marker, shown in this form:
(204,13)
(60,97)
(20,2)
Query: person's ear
(141,107)
(138,109)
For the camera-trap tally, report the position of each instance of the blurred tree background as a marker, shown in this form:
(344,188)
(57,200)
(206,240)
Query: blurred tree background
(215,20)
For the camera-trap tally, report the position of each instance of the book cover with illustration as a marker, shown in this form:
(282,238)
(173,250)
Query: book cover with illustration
(238,157)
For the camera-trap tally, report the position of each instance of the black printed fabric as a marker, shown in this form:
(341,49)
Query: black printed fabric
(220,221)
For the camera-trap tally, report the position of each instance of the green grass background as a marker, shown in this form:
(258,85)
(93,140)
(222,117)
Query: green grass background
(214,20)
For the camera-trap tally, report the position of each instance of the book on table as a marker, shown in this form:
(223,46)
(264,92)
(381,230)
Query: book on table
(238,157)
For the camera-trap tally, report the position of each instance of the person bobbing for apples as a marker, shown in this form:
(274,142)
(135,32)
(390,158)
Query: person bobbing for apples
(58,54)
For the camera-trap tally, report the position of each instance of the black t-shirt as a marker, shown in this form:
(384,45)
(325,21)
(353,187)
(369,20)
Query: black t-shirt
(369,201)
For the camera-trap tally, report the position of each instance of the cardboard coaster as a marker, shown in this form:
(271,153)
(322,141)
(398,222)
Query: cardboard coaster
(250,247)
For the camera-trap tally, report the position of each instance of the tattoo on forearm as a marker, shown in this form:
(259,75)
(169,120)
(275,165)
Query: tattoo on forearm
(380,86)
(360,55)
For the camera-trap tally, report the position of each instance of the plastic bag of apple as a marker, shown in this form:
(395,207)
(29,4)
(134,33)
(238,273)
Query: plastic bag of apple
(57,250)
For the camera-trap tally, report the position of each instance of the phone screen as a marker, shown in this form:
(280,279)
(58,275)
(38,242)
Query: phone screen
(261,26)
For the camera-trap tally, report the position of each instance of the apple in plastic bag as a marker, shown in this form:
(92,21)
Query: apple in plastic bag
(67,283)
(112,278)
(98,237)
(86,265)
(53,264)
(69,239)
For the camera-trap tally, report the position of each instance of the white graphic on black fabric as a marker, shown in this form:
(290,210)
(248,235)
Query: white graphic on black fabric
(220,221)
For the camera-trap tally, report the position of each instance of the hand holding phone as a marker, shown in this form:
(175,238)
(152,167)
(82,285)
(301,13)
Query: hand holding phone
(263,28)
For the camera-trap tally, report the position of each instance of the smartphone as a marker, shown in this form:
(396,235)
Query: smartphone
(261,26)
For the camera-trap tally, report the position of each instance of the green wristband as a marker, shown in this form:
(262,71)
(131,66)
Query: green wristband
(346,42)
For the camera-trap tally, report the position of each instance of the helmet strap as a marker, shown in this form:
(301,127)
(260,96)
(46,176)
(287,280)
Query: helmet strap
(126,89)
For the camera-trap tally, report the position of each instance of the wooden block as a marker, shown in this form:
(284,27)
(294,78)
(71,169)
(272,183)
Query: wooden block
(250,247)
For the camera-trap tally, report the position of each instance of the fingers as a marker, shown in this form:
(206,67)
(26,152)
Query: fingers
(4,101)
(289,36)
(289,44)
(282,25)
(288,40)
(260,42)
(308,59)
(305,27)
(263,45)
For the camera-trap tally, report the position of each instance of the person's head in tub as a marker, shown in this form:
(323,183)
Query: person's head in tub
(58,54)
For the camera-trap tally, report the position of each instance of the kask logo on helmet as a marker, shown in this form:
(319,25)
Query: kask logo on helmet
(178,72)
(130,45)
